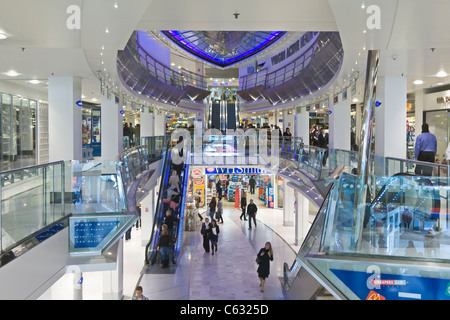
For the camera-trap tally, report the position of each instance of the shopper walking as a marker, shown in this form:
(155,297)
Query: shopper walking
(323,143)
(265,255)
(243,205)
(252,184)
(251,212)
(425,150)
(219,212)
(214,236)
(212,207)
(206,226)
(164,245)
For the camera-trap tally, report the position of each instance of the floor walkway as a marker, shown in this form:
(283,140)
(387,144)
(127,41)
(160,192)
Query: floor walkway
(231,273)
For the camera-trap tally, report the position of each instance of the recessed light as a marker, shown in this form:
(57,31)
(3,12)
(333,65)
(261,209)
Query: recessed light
(441,74)
(418,82)
(440,83)
(116,5)
(3,36)
(12,73)
(34,81)
(107,30)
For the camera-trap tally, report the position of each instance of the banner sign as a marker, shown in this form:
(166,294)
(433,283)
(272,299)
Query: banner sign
(236,170)
(371,286)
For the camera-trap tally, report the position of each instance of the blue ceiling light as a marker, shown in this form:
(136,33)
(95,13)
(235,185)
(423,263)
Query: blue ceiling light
(223,48)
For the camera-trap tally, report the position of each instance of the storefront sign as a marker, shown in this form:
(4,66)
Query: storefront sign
(443,99)
(236,170)
(196,173)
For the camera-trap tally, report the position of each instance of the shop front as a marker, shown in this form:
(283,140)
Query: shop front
(264,188)
(91,130)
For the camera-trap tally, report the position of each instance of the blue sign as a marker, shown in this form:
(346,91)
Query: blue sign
(90,234)
(79,103)
(394,287)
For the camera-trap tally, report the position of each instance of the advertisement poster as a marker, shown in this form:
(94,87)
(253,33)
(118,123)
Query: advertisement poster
(270,196)
(199,189)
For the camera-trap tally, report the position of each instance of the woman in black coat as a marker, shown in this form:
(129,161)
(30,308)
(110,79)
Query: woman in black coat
(265,255)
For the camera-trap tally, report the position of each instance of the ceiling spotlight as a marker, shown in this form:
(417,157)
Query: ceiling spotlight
(116,5)
(34,81)
(441,74)
(418,82)
(107,30)
(3,36)
(12,73)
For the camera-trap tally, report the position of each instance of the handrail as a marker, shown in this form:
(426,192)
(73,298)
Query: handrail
(158,205)
(32,167)
(174,75)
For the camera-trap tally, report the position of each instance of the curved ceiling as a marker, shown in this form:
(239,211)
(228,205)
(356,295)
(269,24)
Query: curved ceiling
(224,48)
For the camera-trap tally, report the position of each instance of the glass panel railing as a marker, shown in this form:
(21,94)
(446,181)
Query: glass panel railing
(408,219)
(31,200)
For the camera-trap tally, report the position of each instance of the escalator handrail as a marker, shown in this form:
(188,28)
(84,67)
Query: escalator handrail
(158,203)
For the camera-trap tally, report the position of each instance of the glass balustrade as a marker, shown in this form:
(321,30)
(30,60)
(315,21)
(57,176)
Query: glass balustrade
(407,218)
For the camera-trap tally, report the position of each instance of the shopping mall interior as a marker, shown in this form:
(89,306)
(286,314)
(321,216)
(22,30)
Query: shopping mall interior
(125,124)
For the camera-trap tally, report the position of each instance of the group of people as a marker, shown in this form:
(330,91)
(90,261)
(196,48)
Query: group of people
(210,232)
(318,137)
(132,132)
(171,203)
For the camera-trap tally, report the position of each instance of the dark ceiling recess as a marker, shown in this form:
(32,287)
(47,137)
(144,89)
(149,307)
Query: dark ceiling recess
(222,74)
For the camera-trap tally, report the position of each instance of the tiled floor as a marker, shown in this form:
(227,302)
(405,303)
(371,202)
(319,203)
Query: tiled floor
(230,274)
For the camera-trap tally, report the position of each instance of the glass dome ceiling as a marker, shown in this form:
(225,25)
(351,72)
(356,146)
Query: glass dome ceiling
(224,48)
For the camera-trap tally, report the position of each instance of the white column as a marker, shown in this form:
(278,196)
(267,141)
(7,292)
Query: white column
(111,129)
(147,214)
(301,127)
(77,286)
(288,205)
(302,223)
(340,124)
(147,122)
(64,118)
(113,280)
(390,117)
(160,122)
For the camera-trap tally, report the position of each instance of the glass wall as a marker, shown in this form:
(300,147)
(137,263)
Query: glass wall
(18,132)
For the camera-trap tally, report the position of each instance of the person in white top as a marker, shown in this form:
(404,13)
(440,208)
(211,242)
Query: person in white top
(174,180)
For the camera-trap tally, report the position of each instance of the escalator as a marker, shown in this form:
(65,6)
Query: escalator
(404,237)
(152,255)
(215,116)
(231,116)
